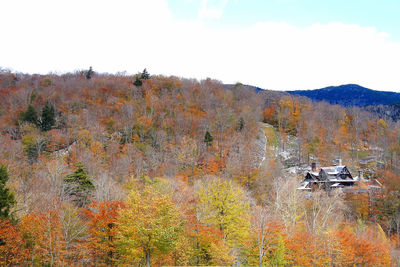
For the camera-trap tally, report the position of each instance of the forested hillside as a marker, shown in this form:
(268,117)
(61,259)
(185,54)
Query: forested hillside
(102,169)
(391,112)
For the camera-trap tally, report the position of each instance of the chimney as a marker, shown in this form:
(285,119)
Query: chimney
(314,167)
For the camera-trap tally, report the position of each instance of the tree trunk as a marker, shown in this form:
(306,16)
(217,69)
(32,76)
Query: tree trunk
(147,259)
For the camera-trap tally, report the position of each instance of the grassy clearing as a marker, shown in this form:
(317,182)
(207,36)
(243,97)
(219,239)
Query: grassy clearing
(271,134)
(359,154)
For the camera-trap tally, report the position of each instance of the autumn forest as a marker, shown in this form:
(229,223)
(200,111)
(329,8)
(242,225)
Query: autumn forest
(147,170)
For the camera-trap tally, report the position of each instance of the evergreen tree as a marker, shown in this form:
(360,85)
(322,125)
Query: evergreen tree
(48,117)
(138,81)
(240,125)
(208,139)
(7,200)
(30,115)
(145,75)
(89,73)
(79,186)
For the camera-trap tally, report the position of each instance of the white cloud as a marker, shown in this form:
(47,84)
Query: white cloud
(49,35)
(212,9)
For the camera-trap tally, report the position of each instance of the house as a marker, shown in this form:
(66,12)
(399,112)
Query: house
(337,177)
(327,178)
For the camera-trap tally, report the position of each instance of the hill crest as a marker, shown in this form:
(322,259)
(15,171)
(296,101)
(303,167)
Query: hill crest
(350,95)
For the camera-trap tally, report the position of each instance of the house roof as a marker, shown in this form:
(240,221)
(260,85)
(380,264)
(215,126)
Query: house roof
(336,174)
(304,186)
(333,170)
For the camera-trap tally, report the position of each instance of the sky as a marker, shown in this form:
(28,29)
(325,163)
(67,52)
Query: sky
(272,44)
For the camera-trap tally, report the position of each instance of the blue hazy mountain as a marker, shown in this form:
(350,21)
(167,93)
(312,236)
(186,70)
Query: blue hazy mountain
(350,95)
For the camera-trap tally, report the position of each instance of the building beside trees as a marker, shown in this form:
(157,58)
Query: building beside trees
(336,177)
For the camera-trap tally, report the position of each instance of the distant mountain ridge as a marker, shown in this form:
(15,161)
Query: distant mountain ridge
(350,95)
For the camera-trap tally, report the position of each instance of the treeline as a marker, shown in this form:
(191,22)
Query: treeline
(151,170)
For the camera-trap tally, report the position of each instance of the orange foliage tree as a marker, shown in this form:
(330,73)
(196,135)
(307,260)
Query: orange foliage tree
(13,250)
(101,218)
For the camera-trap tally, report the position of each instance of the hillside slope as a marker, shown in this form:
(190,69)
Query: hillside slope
(98,160)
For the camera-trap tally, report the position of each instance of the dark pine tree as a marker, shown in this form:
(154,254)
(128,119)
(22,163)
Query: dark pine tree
(89,73)
(240,125)
(48,117)
(7,200)
(30,115)
(138,81)
(208,139)
(145,75)
(79,186)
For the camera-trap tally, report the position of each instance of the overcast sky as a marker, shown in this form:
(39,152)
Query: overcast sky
(273,44)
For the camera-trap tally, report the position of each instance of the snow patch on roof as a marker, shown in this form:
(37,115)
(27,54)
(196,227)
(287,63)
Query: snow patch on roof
(304,186)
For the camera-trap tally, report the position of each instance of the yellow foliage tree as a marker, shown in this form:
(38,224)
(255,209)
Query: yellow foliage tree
(149,226)
(223,204)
